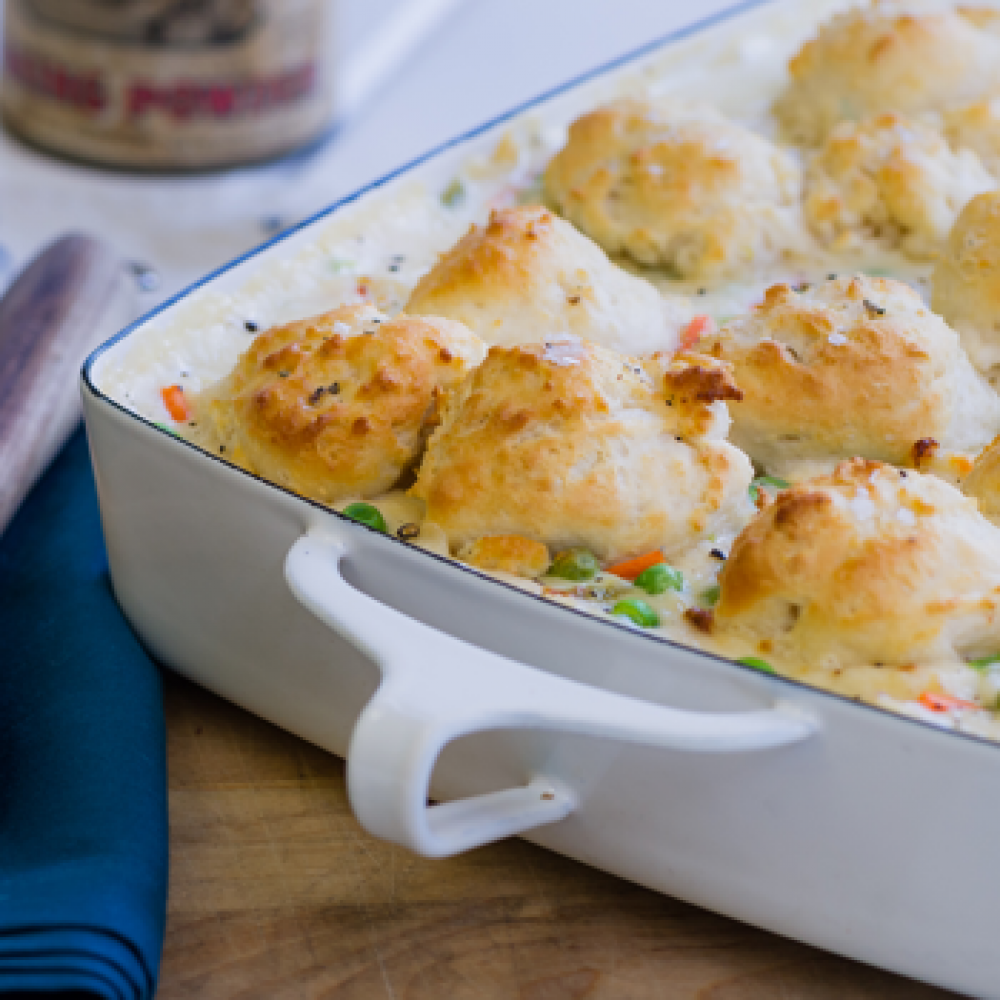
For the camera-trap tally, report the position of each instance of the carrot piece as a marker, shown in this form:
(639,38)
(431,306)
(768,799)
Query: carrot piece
(176,403)
(631,568)
(694,331)
(937,702)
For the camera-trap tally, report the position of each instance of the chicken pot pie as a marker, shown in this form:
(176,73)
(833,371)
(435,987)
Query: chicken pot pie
(590,457)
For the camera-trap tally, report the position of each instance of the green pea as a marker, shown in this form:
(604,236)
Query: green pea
(985,662)
(638,611)
(756,663)
(365,513)
(659,578)
(710,597)
(766,483)
(575,564)
(454,194)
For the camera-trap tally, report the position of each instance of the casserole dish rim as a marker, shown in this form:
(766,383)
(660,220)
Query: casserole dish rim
(728,14)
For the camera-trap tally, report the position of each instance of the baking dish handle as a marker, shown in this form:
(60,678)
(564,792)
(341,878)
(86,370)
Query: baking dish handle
(436,688)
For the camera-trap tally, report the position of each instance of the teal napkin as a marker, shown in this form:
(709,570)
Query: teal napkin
(83,813)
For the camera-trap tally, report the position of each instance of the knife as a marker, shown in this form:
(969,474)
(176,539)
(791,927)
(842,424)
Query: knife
(72,296)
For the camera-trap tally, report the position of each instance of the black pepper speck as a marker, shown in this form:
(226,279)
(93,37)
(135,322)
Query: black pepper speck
(146,277)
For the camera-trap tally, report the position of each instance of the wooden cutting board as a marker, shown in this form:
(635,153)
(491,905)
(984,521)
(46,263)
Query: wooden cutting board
(277,893)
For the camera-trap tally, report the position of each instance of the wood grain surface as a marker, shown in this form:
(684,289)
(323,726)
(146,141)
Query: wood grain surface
(277,893)
(65,302)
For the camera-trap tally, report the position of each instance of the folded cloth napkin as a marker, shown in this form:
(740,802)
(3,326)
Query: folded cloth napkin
(83,814)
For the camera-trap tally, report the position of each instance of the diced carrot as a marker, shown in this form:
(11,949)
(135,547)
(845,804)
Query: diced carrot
(176,403)
(363,288)
(694,331)
(631,568)
(960,464)
(938,702)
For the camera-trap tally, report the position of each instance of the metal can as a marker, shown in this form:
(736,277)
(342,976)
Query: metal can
(167,84)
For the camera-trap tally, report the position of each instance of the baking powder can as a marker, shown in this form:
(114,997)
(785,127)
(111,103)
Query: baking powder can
(167,84)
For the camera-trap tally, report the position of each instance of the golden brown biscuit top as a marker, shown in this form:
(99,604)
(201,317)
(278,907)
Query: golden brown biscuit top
(983,481)
(338,405)
(313,375)
(674,184)
(679,162)
(507,554)
(852,365)
(966,286)
(974,247)
(503,250)
(566,380)
(691,383)
(870,563)
(891,180)
(976,126)
(907,57)
(570,444)
(528,273)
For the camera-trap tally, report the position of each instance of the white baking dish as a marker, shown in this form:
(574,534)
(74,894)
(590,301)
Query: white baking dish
(785,806)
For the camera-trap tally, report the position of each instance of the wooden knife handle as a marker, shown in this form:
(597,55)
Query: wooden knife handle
(64,303)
